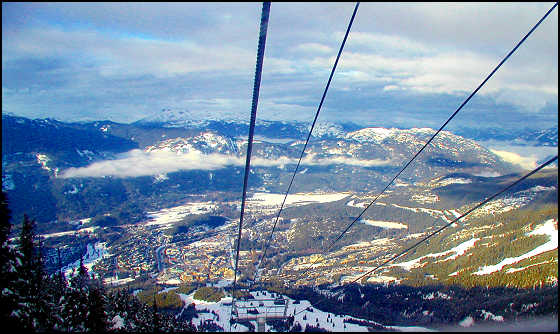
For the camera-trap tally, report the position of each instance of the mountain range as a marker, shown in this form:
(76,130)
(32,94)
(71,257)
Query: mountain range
(152,193)
(58,171)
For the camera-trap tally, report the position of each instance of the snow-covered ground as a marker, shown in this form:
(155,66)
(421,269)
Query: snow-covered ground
(270,199)
(378,279)
(511,202)
(451,180)
(177,213)
(467,322)
(456,214)
(384,224)
(81,221)
(94,253)
(550,228)
(512,270)
(80,231)
(435,295)
(118,281)
(328,321)
(426,198)
(455,252)
(489,315)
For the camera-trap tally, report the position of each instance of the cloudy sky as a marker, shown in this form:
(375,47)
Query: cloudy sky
(405,65)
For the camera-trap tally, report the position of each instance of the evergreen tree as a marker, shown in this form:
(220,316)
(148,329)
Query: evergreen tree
(8,268)
(6,225)
(56,288)
(97,316)
(76,308)
(32,309)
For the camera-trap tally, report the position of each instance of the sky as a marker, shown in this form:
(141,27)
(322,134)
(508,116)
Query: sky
(404,64)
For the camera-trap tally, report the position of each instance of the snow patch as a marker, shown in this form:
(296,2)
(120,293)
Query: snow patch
(270,199)
(87,230)
(452,180)
(457,251)
(94,253)
(371,134)
(488,315)
(160,177)
(174,214)
(513,270)
(437,294)
(467,322)
(43,159)
(550,228)
(117,322)
(383,224)
(118,281)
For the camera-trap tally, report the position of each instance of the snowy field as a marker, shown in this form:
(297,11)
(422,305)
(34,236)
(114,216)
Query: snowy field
(383,224)
(313,316)
(85,230)
(172,215)
(270,199)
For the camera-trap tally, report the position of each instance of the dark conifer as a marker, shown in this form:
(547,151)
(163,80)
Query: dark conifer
(97,316)
(8,268)
(76,308)
(30,285)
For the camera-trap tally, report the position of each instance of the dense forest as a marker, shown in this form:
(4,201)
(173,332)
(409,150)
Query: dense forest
(434,306)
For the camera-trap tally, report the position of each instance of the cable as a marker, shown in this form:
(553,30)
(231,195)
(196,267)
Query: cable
(309,135)
(435,134)
(258,70)
(450,223)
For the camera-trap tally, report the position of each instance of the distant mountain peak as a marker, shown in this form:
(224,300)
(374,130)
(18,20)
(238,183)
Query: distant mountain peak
(368,134)
(167,115)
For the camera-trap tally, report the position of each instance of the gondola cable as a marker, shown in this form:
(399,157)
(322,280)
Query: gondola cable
(433,136)
(258,71)
(457,219)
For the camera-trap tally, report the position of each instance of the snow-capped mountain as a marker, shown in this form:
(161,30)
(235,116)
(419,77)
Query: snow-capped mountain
(108,175)
(527,136)
(206,143)
(339,157)
(173,118)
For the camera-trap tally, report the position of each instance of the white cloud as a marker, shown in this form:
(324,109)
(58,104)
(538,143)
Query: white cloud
(384,43)
(115,56)
(314,47)
(527,163)
(133,59)
(527,85)
(140,163)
